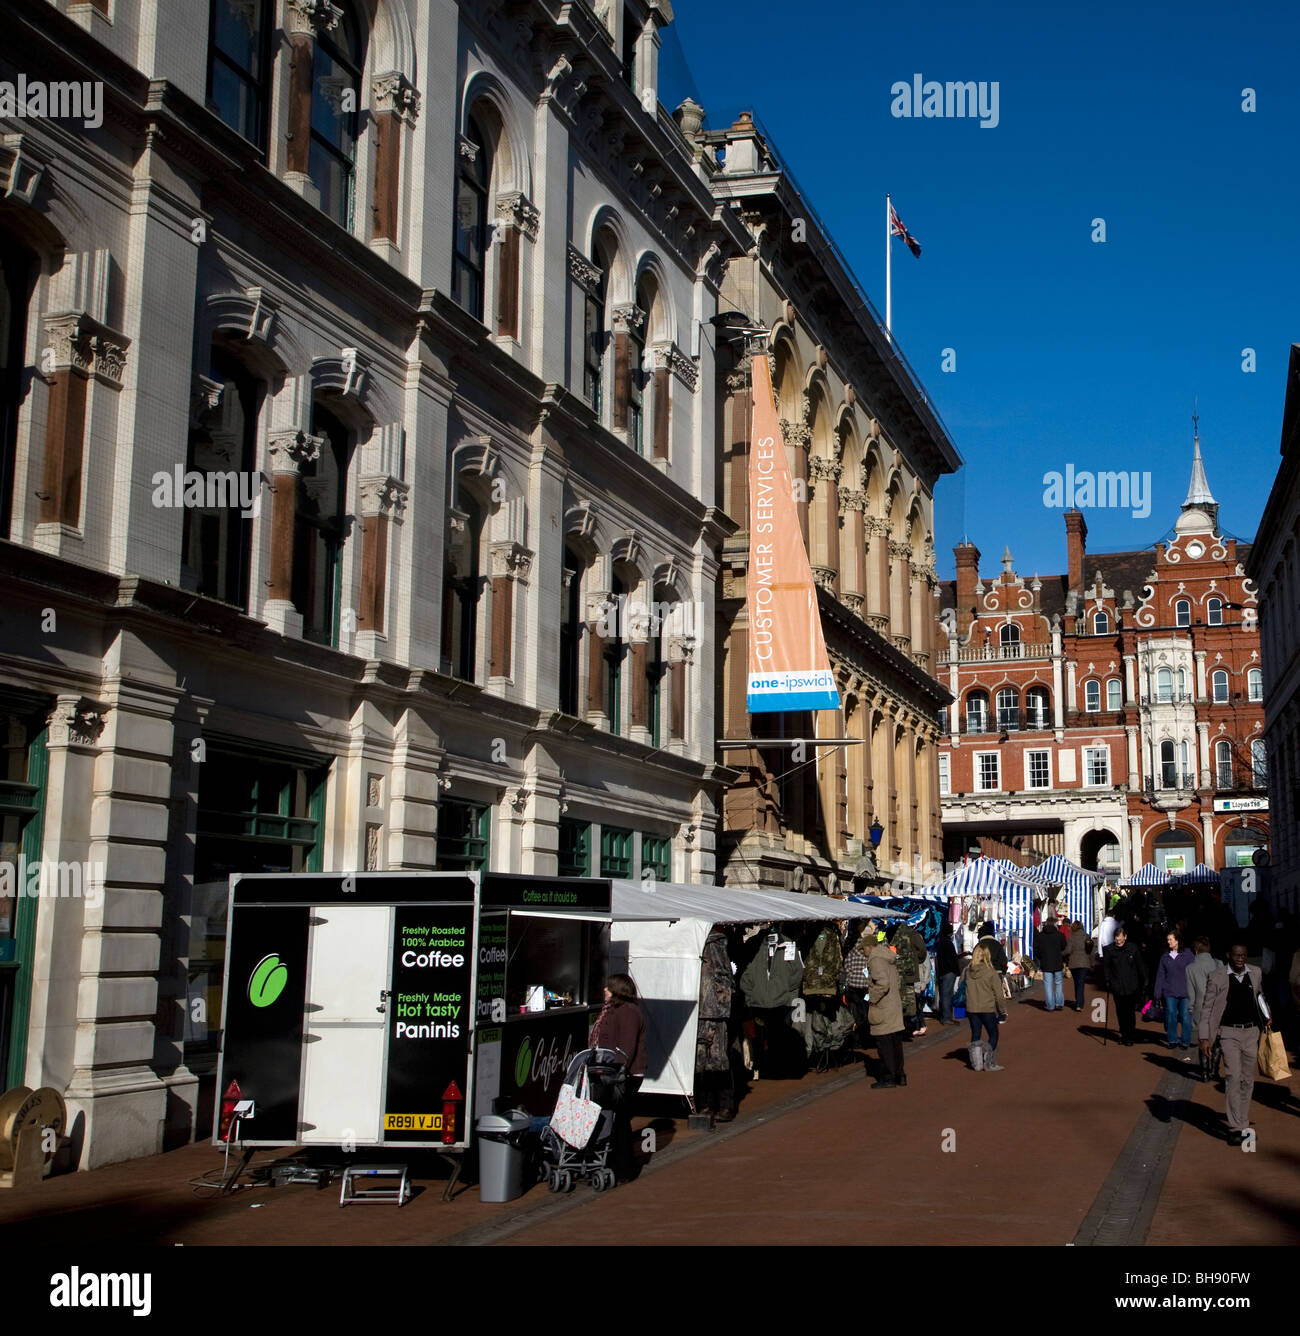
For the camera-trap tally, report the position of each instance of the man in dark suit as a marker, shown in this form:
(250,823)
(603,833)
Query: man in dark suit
(1231,1014)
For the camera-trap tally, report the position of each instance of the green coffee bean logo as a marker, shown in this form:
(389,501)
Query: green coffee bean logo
(523,1063)
(267,981)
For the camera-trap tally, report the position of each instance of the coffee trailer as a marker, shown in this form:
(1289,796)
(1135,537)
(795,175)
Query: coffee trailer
(388,1009)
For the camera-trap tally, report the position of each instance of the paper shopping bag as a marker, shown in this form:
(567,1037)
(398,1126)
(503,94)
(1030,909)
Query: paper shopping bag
(1272,1057)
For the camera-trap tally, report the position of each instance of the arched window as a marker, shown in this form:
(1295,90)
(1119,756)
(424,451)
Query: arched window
(218,533)
(1255,683)
(1008,708)
(977,712)
(1183,612)
(1259,763)
(1164,686)
(1214,611)
(570,630)
(1168,766)
(18,270)
(1038,708)
(1092,696)
(656,667)
(1182,684)
(1114,694)
(340,53)
(1219,686)
(469,266)
(320,528)
(636,376)
(1185,764)
(1101,624)
(615,652)
(1009,635)
(239,60)
(595,338)
(1223,765)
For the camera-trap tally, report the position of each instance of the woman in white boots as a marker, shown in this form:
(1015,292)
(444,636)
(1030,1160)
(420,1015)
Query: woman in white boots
(983,1006)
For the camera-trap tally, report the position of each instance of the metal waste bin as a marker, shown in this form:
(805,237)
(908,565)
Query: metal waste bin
(501,1155)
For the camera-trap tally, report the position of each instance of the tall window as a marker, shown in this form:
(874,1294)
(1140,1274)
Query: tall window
(1096,767)
(469,266)
(945,783)
(1255,683)
(1168,766)
(462,588)
(1219,685)
(594,340)
(1009,637)
(1038,770)
(1038,708)
(217,534)
(655,668)
(636,374)
(1164,686)
(1223,765)
(1114,694)
(575,849)
(1101,624)
(462,836)
(1214,611)
(319,530)
(339,55)
(630,34)
(988,771)
(1183,612)
(615,652)
(1182,684)
(1008,709)
(1185,763)
(615,852)
(1259,763)
(18,270)
(657,857)
(570,631)
(977,712)
(1092,696)
(239,58)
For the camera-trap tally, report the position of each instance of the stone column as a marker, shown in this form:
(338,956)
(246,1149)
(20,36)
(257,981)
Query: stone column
(289,451)
(519,219)
(1199,656)
(303,20)
(877,573)
(394,105)
(853,502)
(627,319)
(1203,746)
(1132,734)
(900,609)
(1130,680)
(1072,699)
(661,411)
(510,564)
(740,403)
(1135,841)
(798,435)
(823,477)
(382,501)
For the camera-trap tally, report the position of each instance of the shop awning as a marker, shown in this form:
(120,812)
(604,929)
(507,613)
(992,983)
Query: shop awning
(1147,875)
(632,902)
(1201,875)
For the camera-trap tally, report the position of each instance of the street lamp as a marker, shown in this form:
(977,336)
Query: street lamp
(876,831)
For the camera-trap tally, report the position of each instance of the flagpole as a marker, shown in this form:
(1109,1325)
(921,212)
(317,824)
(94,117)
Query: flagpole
(888,291)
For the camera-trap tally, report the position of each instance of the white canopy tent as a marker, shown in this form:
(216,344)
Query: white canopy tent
(657,936)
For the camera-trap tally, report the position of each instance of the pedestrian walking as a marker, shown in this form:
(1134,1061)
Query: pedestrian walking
(983,1006)
(885,1016)
(998,958)
(1203,965)
(1171,990)
(947,967)
(1231,1014)
(1050,946)
(1126,979)
(857,979)
(715,1089)
(621,1027)
(1079,961)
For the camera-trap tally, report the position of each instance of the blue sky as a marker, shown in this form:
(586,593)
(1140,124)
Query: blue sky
(1067,351)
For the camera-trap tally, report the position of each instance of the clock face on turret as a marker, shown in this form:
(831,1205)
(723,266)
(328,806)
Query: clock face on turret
(1195,550)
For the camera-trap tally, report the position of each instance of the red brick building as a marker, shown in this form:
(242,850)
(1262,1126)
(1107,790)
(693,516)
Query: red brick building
(1113,713)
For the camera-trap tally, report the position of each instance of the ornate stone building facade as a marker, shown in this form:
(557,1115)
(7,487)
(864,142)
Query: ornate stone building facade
(1116,718)
(358,485)
(1274,563)
(865,449)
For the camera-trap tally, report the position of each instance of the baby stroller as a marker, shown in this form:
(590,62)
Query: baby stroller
(565,1164)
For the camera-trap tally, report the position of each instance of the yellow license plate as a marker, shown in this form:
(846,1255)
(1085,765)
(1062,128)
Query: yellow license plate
(412,1122)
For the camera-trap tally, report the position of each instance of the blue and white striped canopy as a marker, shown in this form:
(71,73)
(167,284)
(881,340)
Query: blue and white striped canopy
(1200,875)
(1059,871)
(1147,875)
(983,878)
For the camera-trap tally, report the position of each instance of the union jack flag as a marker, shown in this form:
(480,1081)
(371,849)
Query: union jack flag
(896,229)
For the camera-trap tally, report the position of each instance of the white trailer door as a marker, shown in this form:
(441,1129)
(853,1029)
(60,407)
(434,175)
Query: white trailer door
(350,955)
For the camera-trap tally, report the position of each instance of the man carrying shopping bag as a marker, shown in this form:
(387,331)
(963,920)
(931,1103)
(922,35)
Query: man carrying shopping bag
(1232,1015)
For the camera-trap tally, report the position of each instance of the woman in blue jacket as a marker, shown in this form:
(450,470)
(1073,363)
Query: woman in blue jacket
(1171,989)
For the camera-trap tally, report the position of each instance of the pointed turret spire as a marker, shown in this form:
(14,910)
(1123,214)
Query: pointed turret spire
(1199,496)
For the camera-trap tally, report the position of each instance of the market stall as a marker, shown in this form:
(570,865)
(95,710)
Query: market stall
(658,936)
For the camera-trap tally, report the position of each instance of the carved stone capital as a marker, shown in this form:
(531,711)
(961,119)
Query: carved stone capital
(878,622)
(512,560)
(628,318)
(824,469)
(824,577)
(796,434)
(583,272)
(853,602)
(394,92)
(20,173)
(875,526)
(852,498)
(68,344)
(899,549)
(668,356)
(381,494)
(110,358)
(466,148)
(293,448)
(76,722)
(514,207)
(738,381)
(308,17)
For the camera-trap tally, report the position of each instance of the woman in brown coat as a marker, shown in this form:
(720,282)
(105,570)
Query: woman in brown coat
(885,1015)
(1079,962)
(983,1004)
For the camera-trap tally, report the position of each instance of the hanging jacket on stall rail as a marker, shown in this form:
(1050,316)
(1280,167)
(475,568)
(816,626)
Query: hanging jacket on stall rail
(773,980)
(821,975)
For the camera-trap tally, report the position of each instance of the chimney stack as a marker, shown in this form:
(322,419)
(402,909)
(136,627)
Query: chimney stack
(1076,539)
(968,575)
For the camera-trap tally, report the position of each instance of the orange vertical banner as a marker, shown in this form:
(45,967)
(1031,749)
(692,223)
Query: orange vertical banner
(788,665)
